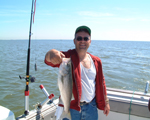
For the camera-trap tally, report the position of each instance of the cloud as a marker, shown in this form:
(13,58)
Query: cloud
(124,34)
(126,19)
(13,12)
(132,19)
(145,20)
(94,14)
(122,9)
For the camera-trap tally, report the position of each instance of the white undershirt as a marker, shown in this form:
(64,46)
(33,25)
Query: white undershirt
(88,82)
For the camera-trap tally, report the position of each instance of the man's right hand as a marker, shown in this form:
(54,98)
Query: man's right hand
(54,56)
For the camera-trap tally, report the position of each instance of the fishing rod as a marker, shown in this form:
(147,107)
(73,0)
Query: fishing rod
(28,77)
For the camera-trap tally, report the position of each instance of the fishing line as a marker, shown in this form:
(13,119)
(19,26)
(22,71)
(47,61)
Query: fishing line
(130,105)
(35,46)
(35,66)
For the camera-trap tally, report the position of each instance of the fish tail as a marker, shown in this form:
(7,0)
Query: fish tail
(69,115)
(66,115)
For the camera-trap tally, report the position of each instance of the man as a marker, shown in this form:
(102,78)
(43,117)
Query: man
(89,87)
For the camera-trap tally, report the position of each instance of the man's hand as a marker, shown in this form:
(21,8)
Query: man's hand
(54,56)
(106,109)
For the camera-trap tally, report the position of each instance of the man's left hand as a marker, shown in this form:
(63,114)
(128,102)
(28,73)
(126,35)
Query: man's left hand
(106,109)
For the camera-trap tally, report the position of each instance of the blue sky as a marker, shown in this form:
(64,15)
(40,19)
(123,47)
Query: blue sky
(58,19)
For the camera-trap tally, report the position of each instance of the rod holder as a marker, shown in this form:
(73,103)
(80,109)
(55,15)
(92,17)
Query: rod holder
(44,90)
(45,101)
(147,86)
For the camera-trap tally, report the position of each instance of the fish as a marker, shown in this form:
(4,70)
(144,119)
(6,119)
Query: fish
(65,85)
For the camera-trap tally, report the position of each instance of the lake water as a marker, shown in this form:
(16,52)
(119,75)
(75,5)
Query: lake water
(126,65)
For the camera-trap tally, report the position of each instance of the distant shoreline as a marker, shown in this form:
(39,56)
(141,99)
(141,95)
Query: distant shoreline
(72,39)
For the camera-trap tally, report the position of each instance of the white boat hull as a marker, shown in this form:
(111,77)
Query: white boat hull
(124,105)
(119,116)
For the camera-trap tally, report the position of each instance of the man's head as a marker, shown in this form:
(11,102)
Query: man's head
(82,38)
(83,29)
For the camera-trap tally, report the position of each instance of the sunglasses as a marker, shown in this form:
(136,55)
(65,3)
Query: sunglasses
(79,38)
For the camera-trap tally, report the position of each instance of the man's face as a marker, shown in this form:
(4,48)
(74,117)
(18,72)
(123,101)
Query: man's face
(82,41)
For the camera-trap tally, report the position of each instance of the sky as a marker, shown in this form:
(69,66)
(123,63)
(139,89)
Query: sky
(127,20)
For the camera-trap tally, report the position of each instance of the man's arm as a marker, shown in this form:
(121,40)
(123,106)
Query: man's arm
(54,56)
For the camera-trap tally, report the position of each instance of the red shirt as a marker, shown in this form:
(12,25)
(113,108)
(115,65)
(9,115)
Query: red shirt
(100,90)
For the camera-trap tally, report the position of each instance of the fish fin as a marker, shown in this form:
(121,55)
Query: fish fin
(62,80)
(72,98)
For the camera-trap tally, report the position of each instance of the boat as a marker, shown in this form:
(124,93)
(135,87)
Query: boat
(124,104)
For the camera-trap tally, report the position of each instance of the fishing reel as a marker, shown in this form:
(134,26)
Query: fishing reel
(31,79)
(26,92)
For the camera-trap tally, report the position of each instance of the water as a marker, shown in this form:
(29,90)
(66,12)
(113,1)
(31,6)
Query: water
(126,65)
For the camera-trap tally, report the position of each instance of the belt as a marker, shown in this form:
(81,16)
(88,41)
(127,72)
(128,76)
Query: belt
(83,103)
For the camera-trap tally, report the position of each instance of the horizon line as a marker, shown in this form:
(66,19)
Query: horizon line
(72,39)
